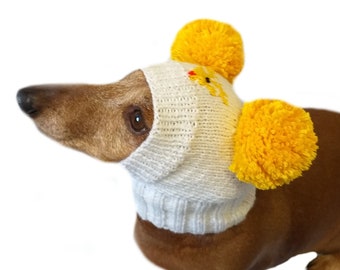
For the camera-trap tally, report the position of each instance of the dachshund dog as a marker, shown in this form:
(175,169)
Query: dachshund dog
(112,121)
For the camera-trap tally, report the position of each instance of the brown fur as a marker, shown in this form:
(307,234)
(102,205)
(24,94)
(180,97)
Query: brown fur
(90,118)
(301,217)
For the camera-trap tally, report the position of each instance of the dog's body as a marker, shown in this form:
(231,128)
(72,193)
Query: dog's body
(297,218)
(301,217)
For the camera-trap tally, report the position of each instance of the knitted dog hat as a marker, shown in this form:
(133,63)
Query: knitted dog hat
(206,153)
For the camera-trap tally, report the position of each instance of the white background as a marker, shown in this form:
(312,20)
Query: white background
(60,209)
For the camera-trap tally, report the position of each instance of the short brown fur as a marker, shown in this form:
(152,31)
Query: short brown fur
(301,217)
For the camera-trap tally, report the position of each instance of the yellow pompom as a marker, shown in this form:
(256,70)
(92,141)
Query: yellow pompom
(210,43)
(274,143)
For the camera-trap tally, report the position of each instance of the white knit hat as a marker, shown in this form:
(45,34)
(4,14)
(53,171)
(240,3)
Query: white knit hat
(181,179)
(186,174)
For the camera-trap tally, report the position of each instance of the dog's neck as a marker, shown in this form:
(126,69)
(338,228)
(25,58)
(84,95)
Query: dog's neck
(181,214)
(181,179)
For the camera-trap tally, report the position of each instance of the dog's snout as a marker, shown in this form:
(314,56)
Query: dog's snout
(27,101)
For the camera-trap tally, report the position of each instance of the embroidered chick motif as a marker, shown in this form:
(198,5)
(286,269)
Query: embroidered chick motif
(207,78)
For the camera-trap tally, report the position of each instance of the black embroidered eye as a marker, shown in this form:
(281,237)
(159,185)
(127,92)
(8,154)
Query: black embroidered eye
(136,120)
(207,79)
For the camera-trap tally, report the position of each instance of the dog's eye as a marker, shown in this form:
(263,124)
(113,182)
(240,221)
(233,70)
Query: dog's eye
(136,121)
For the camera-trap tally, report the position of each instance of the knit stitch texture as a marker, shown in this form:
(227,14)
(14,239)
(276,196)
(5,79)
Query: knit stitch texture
(181,181)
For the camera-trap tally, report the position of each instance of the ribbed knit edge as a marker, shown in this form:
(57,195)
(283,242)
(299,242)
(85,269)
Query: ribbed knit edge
(180,215)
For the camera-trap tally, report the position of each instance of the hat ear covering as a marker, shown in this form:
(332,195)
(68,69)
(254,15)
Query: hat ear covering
(274,143)
(210,43)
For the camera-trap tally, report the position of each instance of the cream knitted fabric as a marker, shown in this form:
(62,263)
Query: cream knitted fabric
(180,175)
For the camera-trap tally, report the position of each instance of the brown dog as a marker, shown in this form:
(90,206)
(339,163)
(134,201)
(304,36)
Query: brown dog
(222,223)
(297,218)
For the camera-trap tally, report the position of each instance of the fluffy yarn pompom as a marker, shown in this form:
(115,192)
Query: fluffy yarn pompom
(274,143)
(210,43)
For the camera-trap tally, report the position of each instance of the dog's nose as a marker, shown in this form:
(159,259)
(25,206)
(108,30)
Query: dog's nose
(27,101)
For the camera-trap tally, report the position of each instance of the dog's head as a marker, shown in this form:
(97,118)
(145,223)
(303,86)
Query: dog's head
(111,121)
